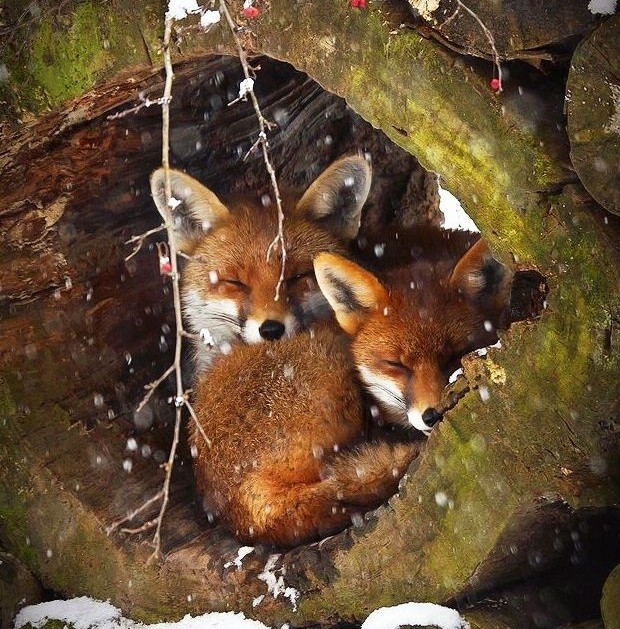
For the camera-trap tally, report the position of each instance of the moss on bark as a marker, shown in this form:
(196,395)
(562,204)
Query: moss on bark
(536,436)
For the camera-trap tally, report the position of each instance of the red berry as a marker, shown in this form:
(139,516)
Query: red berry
(165,268)
(361,4)
(495,85)
(251,12)
(354,3)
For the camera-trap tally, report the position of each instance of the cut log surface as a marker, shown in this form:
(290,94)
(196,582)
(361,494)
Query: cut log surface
(520,29)
(593,108)
(530,449)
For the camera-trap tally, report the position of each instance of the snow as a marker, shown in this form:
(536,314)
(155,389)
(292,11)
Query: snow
(245,87)
(455,216)
(415,614)
(180,9)
(605,7)
(81,612)
(209,17)
(275,584)
(426,8)
(87,613)
(238,561)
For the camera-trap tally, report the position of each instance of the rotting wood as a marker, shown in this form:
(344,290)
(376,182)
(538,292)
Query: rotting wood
(498,168)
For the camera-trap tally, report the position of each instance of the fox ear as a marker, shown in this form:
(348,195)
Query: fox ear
(351,291)
(199,210)
(337,195)
(478,276)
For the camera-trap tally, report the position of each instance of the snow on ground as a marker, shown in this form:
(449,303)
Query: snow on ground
(86,613)
(416,615)
(455,216)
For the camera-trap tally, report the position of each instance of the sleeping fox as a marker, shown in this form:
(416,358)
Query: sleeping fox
(229,284)
(288,461)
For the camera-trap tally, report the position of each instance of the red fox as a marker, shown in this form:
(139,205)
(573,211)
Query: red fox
(288,462)
(229,285)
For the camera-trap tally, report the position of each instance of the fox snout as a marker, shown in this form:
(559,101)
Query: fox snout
(271,330)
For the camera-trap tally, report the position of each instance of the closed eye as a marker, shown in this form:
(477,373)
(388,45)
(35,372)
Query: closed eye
(236,283)
(396,364)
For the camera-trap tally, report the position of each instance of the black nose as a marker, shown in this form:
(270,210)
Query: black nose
(271,330)
(431,416)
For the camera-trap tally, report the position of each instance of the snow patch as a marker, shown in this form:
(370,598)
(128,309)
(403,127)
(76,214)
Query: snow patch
(180,9)
(86,613)
(426,8)
(241,553)
(209,18)
(82,613)
(415,614)
(604,7)
(275,584)
(454,216)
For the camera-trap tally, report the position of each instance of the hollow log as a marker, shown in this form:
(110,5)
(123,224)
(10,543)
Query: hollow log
(504,476)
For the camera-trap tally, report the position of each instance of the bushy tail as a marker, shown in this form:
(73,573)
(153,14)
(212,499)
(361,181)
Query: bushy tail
(288,514)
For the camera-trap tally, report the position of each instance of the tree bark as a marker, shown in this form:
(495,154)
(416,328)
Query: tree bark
(83,335)
(593,109)
(533,31)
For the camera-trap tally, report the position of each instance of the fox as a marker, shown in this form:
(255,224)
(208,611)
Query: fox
(228,284)
(289,459)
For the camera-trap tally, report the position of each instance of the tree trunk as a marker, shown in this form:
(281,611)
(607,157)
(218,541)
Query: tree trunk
(501,480)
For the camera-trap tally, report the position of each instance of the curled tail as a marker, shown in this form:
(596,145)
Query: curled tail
(273,511)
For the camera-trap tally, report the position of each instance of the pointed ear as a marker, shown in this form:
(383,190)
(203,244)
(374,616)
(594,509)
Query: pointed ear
(199,210)
(478,276)
(336,197)
(351,291)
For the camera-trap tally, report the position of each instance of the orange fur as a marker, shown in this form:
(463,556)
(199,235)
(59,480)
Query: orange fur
(229,283)
(288,462)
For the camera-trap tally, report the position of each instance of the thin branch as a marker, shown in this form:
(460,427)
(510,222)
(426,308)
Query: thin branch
(263,125)
(130,516)
(174,276)
(152,386)
(139,240)
(144,102)
(192,412)
(490,38)
(147,526)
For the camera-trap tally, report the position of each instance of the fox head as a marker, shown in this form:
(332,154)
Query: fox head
(229,282)
(410,331)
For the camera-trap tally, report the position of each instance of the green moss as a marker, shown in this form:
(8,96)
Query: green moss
(610,601)
(13,488)
(65,62)
(64,52)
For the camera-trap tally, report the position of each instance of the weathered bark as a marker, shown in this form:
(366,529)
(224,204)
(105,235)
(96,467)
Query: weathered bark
(18,588)
(534,456)
(530,30)
(593,108)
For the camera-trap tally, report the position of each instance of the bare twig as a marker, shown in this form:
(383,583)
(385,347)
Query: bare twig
(192,412)
(147,526)
(490,38)
(152,386)
(139,240)
(130,516)
(263,125)
(174,276)
(145,101)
